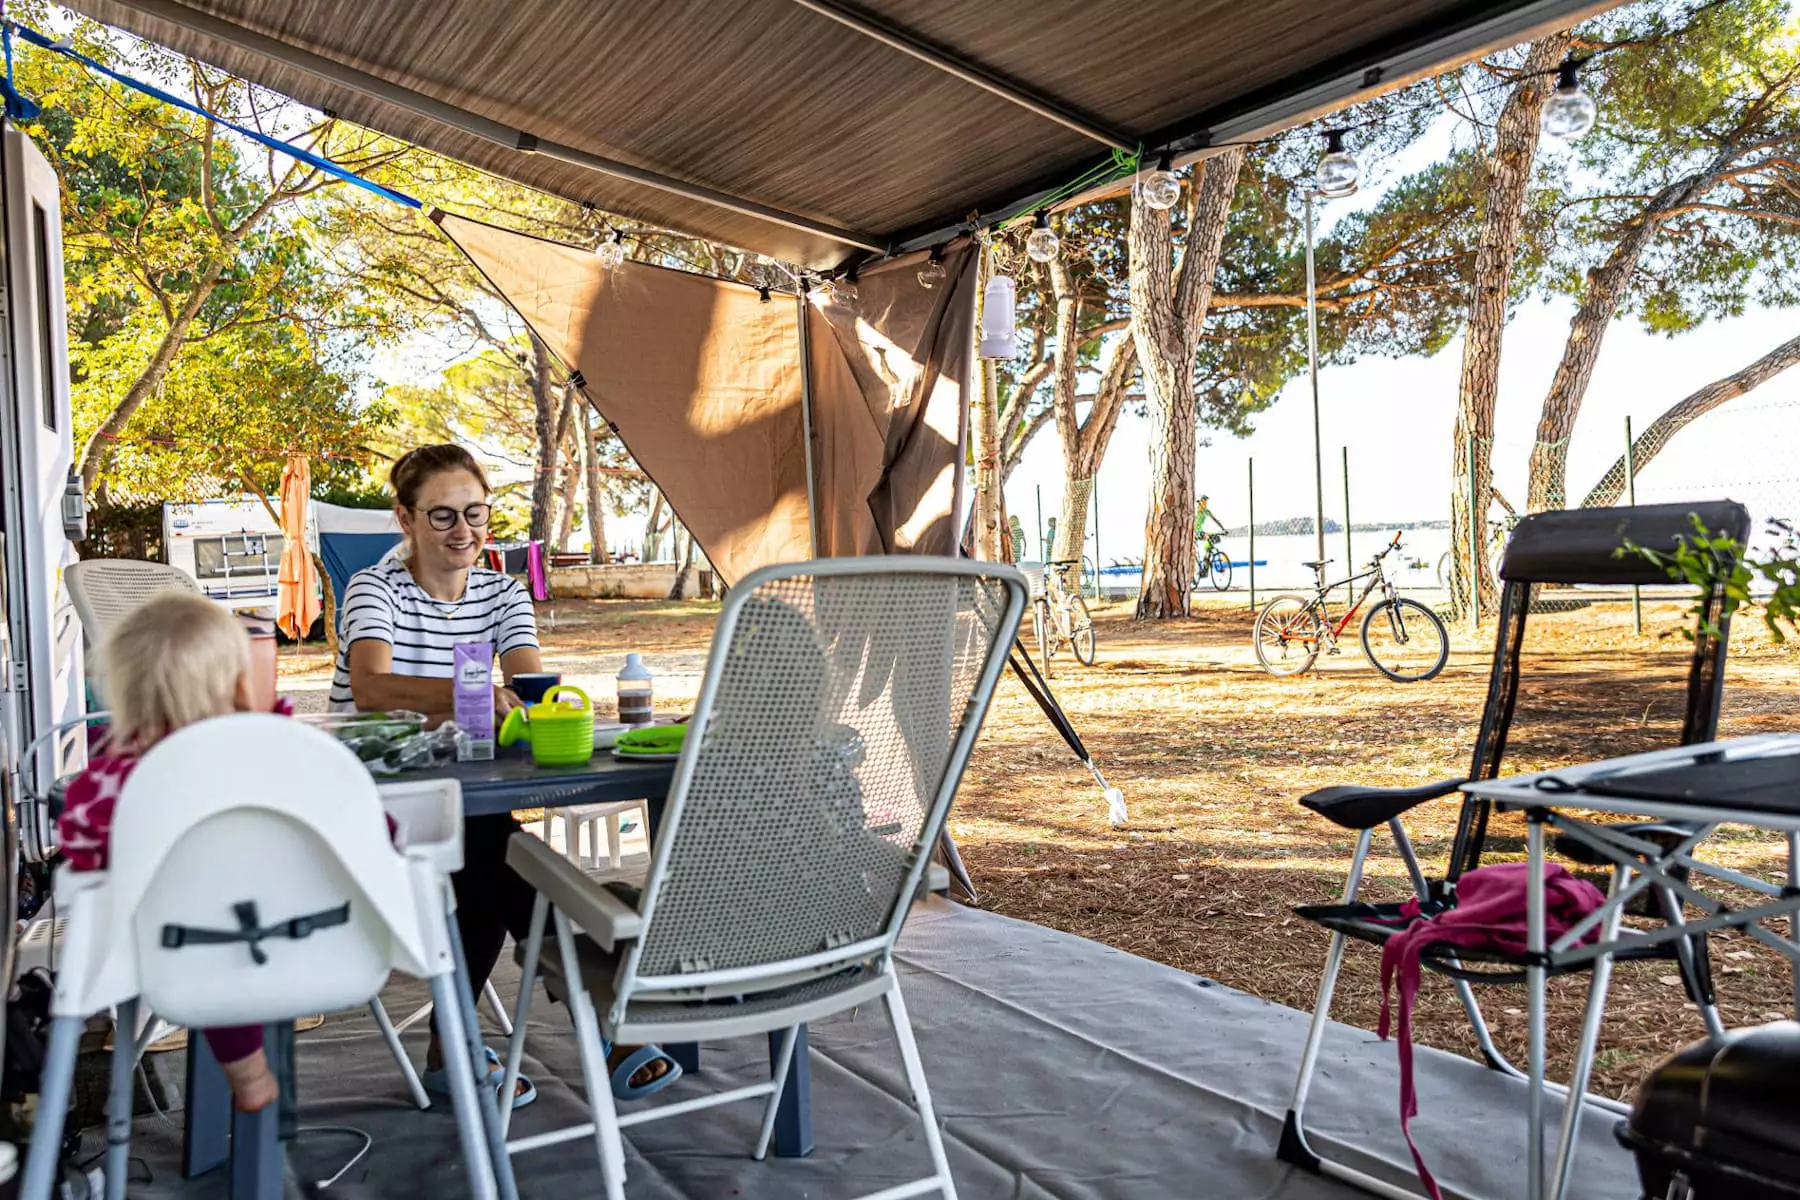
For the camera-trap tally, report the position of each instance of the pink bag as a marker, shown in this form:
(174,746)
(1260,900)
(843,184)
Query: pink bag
(1489,915)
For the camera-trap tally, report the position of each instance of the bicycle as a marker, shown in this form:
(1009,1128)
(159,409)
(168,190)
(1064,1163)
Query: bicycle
(1211,562)
(1061,615)
(1499,533)
(1402,638)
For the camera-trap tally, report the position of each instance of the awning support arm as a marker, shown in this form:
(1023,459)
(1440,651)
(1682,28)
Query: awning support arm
(806,417)
(475,125)
(953,64)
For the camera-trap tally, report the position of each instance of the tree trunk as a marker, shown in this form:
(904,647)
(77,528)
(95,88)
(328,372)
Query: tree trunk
(1650,442)
(1505,179)
(596,510)
(570,486)
(652,528)
(685,561)
(1167,308)
(1606,287)
(546,403)
(988,519)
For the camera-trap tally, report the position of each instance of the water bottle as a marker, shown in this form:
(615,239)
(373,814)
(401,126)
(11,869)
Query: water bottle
(634,691)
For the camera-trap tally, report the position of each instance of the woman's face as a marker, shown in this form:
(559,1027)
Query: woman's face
(455,548)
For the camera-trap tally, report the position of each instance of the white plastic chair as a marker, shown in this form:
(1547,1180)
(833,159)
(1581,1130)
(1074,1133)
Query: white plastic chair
(106,590)
(840,703)
(591,820)
(251,880)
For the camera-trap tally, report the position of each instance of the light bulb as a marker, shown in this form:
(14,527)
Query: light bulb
(1569,112)
(1043,243)
(611,253)
(933,273)
(1337,173)
(1160,188)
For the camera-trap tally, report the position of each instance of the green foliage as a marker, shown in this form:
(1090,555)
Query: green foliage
(1707,92)
(1711,561)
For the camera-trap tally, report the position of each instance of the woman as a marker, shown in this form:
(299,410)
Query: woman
(399,622)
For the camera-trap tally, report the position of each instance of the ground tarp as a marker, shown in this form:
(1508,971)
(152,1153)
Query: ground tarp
(702,380)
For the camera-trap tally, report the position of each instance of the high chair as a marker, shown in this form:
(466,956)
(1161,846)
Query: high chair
(236,897)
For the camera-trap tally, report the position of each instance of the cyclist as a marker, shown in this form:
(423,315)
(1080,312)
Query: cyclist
(1202,514)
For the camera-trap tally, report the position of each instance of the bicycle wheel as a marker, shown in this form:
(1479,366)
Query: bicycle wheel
(1405,641)
(1444,574)
(1081,631)
(1221,570)
(1046,632)
(1287,635)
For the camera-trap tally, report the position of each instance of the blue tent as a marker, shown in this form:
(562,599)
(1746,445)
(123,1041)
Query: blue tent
(351,539)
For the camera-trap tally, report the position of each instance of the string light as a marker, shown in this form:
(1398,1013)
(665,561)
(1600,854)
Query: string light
(1043,243)
(611,253)
(1161,188)
(1338,172)
(1569,112)
(933,273)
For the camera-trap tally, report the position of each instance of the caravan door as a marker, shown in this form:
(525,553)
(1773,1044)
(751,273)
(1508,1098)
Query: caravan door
(45,680)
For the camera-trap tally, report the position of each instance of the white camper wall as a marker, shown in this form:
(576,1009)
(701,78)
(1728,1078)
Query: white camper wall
(44,682)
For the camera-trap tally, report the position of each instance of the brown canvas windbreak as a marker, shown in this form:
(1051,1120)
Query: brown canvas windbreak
(702,380)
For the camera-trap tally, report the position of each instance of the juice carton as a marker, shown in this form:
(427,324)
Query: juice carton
(474,699)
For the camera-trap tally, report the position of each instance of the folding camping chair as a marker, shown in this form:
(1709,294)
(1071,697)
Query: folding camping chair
(838,709)
(1565,550)
(244,902)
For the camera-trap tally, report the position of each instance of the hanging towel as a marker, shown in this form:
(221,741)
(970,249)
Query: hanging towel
(1489,915)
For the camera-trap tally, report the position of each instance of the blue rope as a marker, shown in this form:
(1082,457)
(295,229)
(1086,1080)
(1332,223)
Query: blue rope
(273,143)
(17,106)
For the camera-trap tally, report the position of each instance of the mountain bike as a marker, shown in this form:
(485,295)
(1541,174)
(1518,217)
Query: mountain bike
(1499,533)
(1061,615)
(1211,562)
(1403,639)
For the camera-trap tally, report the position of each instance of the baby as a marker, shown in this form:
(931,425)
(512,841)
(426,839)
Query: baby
(175,661)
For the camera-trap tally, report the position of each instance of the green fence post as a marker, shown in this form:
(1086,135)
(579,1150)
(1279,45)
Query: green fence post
(1252,507)
(1637,597)
(1349,554)
(1477,511)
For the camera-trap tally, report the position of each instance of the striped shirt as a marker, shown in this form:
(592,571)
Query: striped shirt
(385,604)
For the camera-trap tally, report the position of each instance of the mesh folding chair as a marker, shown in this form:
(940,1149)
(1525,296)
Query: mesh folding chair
(839,706)
(1538,695)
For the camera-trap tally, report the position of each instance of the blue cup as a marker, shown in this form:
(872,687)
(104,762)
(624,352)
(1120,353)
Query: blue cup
(533,686)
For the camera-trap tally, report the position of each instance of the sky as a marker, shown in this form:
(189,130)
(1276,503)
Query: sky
(1397,417)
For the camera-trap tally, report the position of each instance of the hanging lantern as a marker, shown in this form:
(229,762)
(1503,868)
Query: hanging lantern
(1043,243)
(1569,112)
(1337,173)
(998,329)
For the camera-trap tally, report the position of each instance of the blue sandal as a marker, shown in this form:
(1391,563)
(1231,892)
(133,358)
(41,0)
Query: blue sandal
(640,1058)
(438,1082)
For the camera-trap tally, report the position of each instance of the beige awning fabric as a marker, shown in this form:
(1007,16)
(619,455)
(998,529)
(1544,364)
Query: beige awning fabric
(702,379)
(817,131)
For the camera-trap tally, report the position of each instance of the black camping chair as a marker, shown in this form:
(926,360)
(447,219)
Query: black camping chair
(1550,555)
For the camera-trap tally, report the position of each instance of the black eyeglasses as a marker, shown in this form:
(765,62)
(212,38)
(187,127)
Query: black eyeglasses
(443,517)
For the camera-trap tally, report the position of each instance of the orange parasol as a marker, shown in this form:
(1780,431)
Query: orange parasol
(298,605)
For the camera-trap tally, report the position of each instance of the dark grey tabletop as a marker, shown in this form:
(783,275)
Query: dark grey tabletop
(512,780)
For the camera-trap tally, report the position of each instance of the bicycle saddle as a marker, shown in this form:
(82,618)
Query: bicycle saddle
(1316,565)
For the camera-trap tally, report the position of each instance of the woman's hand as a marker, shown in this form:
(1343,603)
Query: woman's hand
(505,700)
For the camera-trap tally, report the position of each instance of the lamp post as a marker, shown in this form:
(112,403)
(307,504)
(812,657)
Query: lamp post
(1336,177)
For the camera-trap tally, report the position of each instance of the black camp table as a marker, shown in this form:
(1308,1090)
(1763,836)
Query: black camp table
(508,782)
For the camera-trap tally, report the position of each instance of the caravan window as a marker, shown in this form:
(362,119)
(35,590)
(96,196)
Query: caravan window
(40,229)
(243,556)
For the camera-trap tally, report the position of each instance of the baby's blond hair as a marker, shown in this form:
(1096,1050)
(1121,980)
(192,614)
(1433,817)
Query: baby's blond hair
(174,661)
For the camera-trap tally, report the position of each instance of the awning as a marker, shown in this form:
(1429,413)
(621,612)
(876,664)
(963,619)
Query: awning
(813,130)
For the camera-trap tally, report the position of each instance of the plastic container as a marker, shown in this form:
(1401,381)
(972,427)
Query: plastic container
(559,730)
(635,699)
